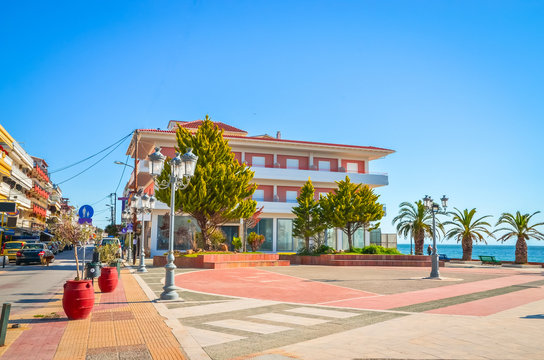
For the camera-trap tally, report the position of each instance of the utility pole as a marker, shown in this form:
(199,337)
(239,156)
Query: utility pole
(113,197)
(135,190)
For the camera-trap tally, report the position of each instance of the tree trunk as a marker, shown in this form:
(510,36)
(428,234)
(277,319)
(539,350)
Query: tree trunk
(349,239)
(307,242)
(77,262)
(521,251)
(466,242)
(419,239)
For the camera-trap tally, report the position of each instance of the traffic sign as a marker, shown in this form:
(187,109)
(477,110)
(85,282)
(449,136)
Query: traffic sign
(86,212)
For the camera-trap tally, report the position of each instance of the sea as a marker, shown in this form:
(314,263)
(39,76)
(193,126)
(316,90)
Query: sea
(501,252)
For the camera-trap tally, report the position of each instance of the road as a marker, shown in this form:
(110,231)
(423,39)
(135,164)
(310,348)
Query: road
(32,286)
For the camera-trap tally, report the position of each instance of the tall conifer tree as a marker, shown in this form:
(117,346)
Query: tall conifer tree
(220,189)
(308,221)
(351,207)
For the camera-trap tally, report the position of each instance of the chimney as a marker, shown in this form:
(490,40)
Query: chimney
(278,135)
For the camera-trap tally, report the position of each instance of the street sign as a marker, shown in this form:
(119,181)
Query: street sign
(129,228)
(7,206)
(86,212)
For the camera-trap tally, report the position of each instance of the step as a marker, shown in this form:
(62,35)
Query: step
(249,263)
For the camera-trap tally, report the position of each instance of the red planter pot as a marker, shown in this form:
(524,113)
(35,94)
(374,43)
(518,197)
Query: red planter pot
(107,281)
(78,299)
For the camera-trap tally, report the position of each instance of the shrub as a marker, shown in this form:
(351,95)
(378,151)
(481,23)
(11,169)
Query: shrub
(108,253)
(379,250)
(255,241)
(316,250)
(236,243)
(217,237)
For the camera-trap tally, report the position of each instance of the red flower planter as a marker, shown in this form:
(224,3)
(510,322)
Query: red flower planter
(78,299)
(107,281)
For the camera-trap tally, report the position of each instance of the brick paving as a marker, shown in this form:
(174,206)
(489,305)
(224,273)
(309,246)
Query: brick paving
(123,325)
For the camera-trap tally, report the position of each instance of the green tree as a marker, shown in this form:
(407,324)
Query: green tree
(414,222)
(309,219)
(518,227)
(112,230)
(351,207)
(467,229)
(220,189)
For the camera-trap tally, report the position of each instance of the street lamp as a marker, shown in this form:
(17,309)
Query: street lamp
(122,163)
(182,169)
(142,205)
(434,208)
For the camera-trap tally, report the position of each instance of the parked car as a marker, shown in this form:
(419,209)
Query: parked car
(111,241)
(34,252)
(10,249)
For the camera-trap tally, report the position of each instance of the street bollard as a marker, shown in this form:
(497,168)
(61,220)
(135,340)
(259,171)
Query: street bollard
(4,319)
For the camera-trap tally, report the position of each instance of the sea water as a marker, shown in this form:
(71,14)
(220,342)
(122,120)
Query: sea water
(501,252)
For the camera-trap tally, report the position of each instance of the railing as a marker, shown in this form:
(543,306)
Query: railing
(23,154)
(321,176)
(21,177)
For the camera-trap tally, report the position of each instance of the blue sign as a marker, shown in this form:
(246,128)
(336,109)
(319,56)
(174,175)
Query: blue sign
(124,230)
(9,232)
(86,212)
(129,228)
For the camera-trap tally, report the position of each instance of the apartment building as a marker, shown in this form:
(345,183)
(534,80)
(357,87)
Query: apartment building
(281,168)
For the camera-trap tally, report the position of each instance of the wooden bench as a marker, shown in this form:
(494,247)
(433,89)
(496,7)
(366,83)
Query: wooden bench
(486,259)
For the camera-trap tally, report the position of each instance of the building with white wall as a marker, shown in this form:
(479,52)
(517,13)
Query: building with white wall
(281,168)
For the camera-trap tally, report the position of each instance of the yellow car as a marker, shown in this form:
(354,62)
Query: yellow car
(10,249)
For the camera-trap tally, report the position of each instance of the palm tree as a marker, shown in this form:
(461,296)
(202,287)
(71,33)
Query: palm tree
(467,229)
(414,222)
(518,226)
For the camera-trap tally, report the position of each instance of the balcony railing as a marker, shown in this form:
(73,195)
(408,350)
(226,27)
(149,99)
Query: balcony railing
(22,178)
(23,154)
(318,176)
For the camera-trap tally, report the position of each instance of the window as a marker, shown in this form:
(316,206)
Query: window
(257,161)
(258,195)
(352,167)
(291,196)
(324,194)
(324,165)
(292,163)
(264,227)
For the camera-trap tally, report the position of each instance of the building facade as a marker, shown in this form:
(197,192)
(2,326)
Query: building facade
(281,168)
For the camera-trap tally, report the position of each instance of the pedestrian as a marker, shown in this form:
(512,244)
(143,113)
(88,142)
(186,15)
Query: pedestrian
(430,250)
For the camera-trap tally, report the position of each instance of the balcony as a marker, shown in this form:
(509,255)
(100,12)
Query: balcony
(22,178)
(273,207)
(318,176)
(23,154)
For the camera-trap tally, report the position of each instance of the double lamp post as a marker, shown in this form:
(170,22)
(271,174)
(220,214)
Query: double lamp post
(182,169)
(434,208)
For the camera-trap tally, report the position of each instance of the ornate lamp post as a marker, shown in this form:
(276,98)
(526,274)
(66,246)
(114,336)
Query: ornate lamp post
(142,205)
(182,169)
(125,216)
(434,208)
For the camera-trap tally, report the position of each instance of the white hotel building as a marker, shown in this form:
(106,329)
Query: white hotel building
(281,168)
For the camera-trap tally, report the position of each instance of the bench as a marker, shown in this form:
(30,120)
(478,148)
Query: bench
(443,257)
(486,259)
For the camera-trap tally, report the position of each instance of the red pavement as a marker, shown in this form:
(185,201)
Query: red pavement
(39,342)
(492,305)
(261,284)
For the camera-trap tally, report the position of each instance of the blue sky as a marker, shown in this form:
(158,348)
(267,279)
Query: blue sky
(455,87)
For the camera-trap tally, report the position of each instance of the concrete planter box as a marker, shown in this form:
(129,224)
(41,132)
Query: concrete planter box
(217,261)
(360,260)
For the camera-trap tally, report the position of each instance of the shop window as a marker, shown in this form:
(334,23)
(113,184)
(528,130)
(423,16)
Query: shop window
(264,227)
(185,228)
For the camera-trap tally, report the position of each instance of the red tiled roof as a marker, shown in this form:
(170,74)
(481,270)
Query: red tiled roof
(196,123)
(284,141)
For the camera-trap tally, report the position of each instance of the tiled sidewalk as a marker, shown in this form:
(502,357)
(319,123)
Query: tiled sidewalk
(123,325)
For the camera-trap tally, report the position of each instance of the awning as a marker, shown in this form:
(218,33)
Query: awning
(48,234)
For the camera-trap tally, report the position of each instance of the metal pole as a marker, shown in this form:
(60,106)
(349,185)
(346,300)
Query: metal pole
(129,252)
(142,268)
(4,319)
(169,292)
(434,257)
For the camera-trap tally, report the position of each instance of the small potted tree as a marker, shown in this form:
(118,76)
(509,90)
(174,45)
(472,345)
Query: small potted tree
(78,297)
(107,281)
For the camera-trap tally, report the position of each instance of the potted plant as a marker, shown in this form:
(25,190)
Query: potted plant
(78,297)
(107,281)
(255,241)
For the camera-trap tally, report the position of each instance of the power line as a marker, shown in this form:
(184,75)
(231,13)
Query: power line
(123,173)
(99,160)
(90,157)
(104,198)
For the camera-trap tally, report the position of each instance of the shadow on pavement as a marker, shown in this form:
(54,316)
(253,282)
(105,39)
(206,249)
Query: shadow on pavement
(538,316)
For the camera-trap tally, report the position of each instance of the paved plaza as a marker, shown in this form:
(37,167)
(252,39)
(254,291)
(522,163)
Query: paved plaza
(299,312)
